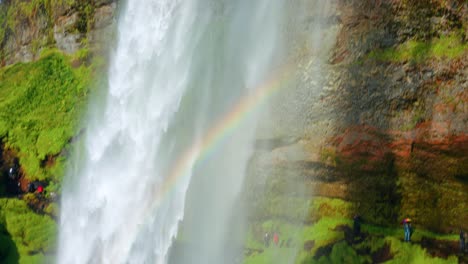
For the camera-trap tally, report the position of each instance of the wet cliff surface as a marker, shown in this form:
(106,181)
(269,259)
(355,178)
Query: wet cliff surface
(401,110)
(384,136)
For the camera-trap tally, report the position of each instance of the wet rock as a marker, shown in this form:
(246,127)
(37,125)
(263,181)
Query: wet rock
(66,35)
(398,75)
(105,15)
(104,28)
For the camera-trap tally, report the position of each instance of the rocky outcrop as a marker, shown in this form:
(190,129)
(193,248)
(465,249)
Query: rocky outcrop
(406,114)
(68,27)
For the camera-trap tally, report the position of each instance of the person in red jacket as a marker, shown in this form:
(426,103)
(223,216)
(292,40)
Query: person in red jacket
(36,186)
(276,238)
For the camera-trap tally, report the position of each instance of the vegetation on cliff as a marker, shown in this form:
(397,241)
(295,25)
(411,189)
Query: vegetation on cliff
(398,145)
(25,237)
(443,47)
(40,111)
(330,239)
(41,104)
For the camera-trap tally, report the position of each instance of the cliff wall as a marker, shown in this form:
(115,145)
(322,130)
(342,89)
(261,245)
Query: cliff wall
(380,131)
(28,27)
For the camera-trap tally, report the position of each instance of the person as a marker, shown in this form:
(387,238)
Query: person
(266,239)
(13,170)
(35,186)
(276,238)
(12,183)
(408,229)
(12,173)
(462,241)
(357,225)
(31,187)
(405,228)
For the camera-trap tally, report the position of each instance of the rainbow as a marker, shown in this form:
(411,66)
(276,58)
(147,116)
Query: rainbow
(199,151)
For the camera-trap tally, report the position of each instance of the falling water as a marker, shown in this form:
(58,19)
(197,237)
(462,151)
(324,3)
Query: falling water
(178,68)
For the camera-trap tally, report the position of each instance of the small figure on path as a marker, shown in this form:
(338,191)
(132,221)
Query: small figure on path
(12,173)
(266,239)
(276,238)
(35,186)
(407,229)
(356,225)
(462,241)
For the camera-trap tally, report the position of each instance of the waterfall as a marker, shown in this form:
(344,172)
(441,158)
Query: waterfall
(179,67)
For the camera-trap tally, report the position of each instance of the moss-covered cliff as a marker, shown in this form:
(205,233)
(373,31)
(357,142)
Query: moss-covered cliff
(53,55)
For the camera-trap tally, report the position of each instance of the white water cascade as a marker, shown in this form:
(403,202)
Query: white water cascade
(179,67)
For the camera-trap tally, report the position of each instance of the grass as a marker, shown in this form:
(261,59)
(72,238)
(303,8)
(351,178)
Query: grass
(331,213)
(330,207)
(341,253)
(321,233)
(41,104)
(398,232)
(411,253)
(272,255)
(450,47)
(28,236)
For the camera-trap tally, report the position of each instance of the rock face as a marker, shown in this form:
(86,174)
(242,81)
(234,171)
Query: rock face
(68,27)
(387,126)
(65,35)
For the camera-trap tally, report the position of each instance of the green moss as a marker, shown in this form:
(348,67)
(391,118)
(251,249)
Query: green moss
(450,47)
(397,232)
(331,216)
(40,108)
(8,251)
(434,204)
(341,253)
(321,233)
(52,209)
(330,207)
(411,253)
(32,234)
(272,255)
